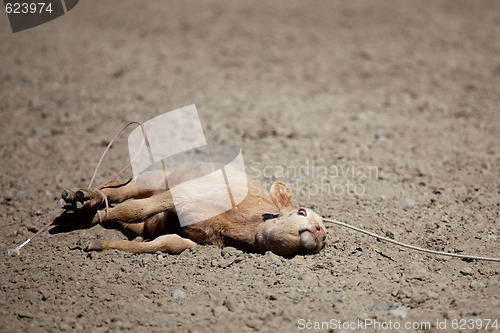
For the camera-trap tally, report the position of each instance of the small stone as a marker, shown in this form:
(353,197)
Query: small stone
(338,290)
(227,251)
(476,284)
(380,306)
(490,238)
(8,196)
(45,294)
(466,271)
(255,324)
(273,258)
(64,327)
(399,313)
(308,278)
(13,182)
(431,295)
(417,271)
(410,203)
(220,310)
(419,298)
(142,261)
(231,304)
(178,294)
(24,314)
(298,260)
(226,263)
(21,232)
(445,219)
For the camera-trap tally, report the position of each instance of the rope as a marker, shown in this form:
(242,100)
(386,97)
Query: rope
(17,250)
(421,249)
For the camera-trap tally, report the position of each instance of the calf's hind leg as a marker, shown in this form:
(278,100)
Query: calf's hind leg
(172,244)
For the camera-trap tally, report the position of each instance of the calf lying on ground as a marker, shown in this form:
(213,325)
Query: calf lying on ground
(263,221)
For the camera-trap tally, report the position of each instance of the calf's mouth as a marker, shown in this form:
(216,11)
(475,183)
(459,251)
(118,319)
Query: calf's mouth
(312,237)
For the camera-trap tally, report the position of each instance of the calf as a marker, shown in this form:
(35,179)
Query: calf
(263,221)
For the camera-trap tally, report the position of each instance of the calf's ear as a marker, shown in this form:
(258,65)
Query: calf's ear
(281,195)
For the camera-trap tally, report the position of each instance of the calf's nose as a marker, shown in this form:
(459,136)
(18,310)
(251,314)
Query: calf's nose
(319,232)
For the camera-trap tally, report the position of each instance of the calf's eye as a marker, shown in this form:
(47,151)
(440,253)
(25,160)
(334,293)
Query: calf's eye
(302,212)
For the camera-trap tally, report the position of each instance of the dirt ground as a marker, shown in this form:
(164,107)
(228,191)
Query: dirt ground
(397,100)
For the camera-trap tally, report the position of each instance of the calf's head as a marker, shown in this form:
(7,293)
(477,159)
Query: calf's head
(295,230)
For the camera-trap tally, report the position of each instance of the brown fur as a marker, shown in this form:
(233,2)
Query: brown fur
(151,214)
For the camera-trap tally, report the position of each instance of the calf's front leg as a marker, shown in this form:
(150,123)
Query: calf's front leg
(115,192)
(132,211)
(171,244)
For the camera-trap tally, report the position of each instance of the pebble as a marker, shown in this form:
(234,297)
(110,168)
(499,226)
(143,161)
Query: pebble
(21,232)
(445,219)
(298,260)
(381,306)
(45,294)
(13,182)
(419,298)
(227,251)
(64,327)
(231,304)
(466,271)
(273,258)
(338,290)
(24,314)
(431,295)
(255,323)
(410,203)
(417,271)
(476,284)
(142,261)
(177,293)
(308,278)
(399,312)
(219,310)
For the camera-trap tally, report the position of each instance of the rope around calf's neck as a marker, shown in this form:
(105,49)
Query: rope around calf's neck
(408,246)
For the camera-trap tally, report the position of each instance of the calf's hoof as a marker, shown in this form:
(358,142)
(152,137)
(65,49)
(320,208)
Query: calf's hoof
(81,200)
(94,246)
